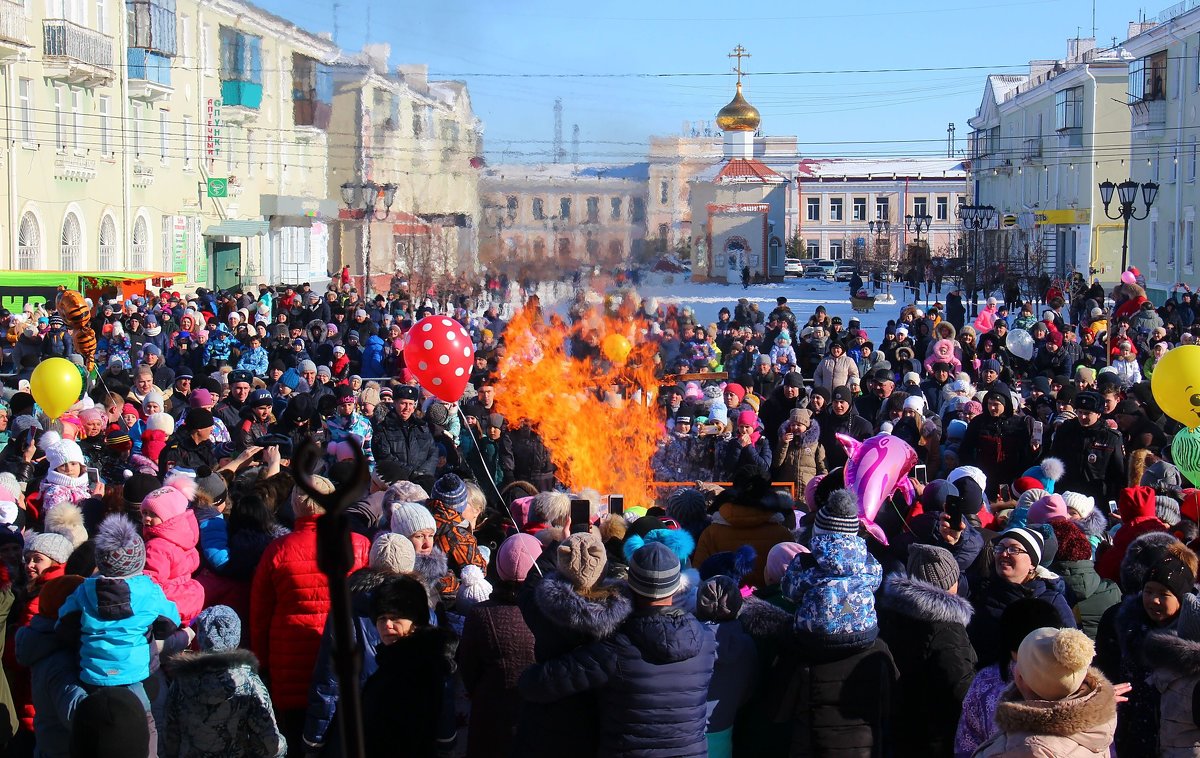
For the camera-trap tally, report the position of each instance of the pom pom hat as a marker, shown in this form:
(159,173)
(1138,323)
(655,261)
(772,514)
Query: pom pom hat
(1053,662)
(171,500)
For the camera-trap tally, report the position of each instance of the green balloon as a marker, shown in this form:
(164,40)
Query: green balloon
(1185,450)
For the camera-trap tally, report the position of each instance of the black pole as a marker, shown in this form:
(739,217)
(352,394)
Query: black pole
(1124,242)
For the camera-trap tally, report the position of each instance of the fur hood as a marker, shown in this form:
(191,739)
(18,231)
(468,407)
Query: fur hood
(924,602)
(762,620)
(188,663)
(1165,650)
(598,615)
(1088,716)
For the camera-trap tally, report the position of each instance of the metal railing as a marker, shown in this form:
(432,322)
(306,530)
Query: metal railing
(66,39)
(14,23)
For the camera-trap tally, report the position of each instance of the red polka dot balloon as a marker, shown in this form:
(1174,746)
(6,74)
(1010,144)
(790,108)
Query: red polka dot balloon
(439,353)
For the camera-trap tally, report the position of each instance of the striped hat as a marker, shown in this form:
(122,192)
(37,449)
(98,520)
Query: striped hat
(1030,539)
(654,571)
(839,514)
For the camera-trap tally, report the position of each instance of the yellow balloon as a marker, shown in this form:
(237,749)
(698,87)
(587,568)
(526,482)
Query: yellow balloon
(56,385)
(1176,385)
(616,348)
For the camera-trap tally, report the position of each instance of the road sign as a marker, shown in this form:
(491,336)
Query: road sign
(218,187)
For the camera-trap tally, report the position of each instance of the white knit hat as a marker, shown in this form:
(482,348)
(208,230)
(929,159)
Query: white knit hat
(1054,662)
(64,451)
(914,403)
(410,518)
(474,588)
(393,553)
(1081,504)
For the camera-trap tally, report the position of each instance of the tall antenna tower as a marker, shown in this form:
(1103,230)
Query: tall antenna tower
(575,144)
(950,140)
(336,12)
(559,153)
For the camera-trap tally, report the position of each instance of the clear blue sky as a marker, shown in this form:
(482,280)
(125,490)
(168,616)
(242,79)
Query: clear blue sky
(899,113)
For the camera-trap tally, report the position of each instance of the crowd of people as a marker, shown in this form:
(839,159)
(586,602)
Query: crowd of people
(162,595)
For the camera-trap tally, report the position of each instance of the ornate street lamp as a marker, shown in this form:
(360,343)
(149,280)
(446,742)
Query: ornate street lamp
(367,199)
(1127,193)
(974,219)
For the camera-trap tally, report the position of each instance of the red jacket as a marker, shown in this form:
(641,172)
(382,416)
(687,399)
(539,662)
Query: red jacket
(289,601)
(1138,517)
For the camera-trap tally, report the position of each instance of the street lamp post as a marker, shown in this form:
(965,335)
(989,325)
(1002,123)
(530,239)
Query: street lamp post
(974,219)
(880,229)
(1127,193)
(366,199)
(918,224)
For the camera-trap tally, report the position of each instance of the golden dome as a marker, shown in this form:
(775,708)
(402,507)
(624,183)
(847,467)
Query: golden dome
(739,115)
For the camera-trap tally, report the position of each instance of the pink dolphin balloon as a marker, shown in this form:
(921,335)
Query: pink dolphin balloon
(875,469)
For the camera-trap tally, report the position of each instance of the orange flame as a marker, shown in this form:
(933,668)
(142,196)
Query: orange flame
(599,421)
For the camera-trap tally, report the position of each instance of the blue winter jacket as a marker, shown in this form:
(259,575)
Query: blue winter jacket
(659,656)
(114,618)
(372,358)
(254,360)
(54,679)
(214,539)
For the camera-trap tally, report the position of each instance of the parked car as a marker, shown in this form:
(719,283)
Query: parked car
(823,273)
(793,267)
(845,272)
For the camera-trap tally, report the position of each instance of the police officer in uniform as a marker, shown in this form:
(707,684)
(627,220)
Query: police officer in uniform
(1092,452)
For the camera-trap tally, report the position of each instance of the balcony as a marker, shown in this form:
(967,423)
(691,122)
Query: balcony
(143,174)
(76,54)
(1032,149)
(240,101)
(149,75)
(311,114)
(14,28)
(1149,117)
(75,168)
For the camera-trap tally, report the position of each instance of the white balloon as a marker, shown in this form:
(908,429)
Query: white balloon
(1020,343)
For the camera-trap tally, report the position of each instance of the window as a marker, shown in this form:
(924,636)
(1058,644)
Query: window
(76,118)
(662,193)
(883,211)
(920,206)
(140,250)
(151,26)
(167,241)
(858,209)
(637,210)
(539,248)
(187,142)
(164,136)
(241,56)
(1189,243)
(835,209)
(101,17)
(615,250)
(593,249)
(102,104)
(511,207)
(1147,78)
(835,250)
(60,127)
(813,206)
(137,130)
(70,249)
(25,103)
(593,210)
(29,244)
(539,209)
(812,248)
(1068,109)
(1171,244)
(564,247)
(564,208)
(186,52)
(108,245)
(1191,160)
(942,208)
(615,212)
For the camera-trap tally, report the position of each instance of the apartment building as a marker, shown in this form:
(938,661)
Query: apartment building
(1163,86)
(674,163)
(422,140)
(1040,144)
(559,217)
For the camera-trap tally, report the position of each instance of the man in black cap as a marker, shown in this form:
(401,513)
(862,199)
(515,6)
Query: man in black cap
(191,445)
(405,441)
(870,404)
(1093,455)
(841,418)
(255,420)
(780,404)
(229,410)
(933,385)
(182,388)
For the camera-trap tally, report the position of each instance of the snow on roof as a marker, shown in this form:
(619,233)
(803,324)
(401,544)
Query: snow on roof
(908,167)
(567,171)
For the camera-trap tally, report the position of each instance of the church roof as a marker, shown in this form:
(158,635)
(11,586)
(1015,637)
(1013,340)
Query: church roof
(747,171)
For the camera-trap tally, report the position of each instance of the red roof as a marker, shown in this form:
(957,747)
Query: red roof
(747,170)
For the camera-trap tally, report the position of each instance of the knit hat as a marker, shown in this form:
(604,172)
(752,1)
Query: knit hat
(914,403)
(1073,544)
(779,558)
(688,506)
(1029,539)
(1054,662)
(197,419)
(1166,509)
(1046,473)
(161,422)
(1187,627)
(933,565)
(153,396)
(654,571)
(199,398)
(838,515)
(1048,508)
(1081,504)
(1170,571)
(110,721)
(10,488)
(210,484)
(137,486)
(991,364)
(581,558)
(403,597)
(55,592)
(54,546)
(718,599)
(410,518)
(473,589)
(392,553)
(120,551)
(171,499)
(64,451)
(217,628)
(956,429)
(735,564)
(738,390)
(516,556)
(451,491)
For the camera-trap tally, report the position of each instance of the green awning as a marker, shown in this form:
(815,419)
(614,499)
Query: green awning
(238,228)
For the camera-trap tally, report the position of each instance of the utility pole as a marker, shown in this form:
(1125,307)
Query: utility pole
(950,140)
(575,144)
(559,153)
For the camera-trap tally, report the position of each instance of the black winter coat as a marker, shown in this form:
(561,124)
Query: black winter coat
(997,446)
(851,424)
(408,703)
(926,629)
(410,444)
(991,595)
(660,656)
(1119,656)
(1093,458)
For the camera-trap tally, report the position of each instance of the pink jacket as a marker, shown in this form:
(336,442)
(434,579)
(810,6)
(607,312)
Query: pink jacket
(172,558)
